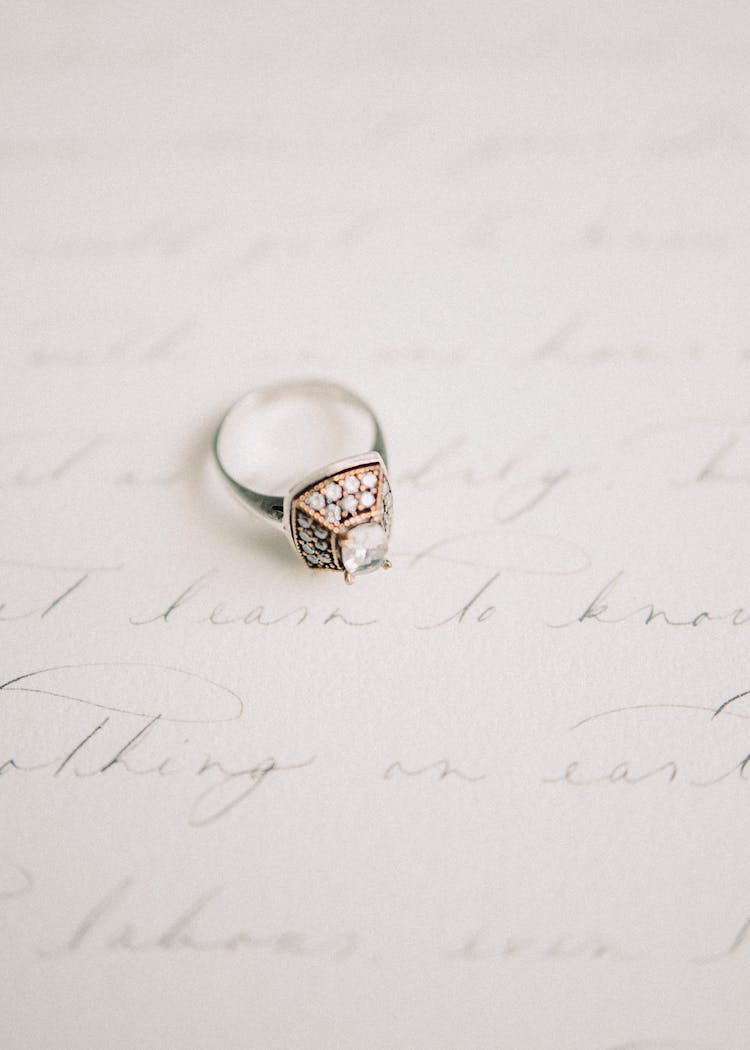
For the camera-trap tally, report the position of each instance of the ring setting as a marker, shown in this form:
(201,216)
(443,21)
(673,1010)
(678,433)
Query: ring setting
(343,520)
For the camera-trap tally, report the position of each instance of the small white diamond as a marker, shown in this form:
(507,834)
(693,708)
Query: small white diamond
(369,479)
(315,500)
(349,504)
(332,492)
(367,499)
(351,483)
(333,513)
(364,548)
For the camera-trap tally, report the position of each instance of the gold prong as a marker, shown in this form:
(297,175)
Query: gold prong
(349,578)
(387,564)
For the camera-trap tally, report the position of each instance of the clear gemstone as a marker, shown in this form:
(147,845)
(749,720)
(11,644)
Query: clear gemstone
(351,483)
(349,504)
(315,500)
(304,521)
(369,479)
(333,513)
(364,548)
(332,491)
(367,499)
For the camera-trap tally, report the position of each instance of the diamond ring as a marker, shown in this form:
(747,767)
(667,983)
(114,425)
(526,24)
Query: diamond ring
(338,516)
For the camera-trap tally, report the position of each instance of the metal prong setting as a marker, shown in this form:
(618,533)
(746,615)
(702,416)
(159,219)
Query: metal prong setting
(341,520)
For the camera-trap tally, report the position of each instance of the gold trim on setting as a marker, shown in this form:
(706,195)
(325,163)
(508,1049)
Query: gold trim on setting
(339,530)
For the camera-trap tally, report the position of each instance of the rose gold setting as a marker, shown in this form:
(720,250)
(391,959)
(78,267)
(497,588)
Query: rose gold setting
(322,513)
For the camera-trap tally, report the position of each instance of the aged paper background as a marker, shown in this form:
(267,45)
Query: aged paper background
(497,798)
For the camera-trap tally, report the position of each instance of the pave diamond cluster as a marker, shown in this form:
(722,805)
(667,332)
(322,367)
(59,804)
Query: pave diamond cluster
(343,521)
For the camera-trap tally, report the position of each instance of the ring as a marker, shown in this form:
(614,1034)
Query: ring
(337,516)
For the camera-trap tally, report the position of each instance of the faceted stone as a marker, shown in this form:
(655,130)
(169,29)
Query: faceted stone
(315,500)
(333,512)
(332,491)
(351,483)
(367,499)
(369,479)
(303,521)
(364,548)
(349,503)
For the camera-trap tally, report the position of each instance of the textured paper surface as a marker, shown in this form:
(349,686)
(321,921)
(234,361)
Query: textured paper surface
(497,797)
